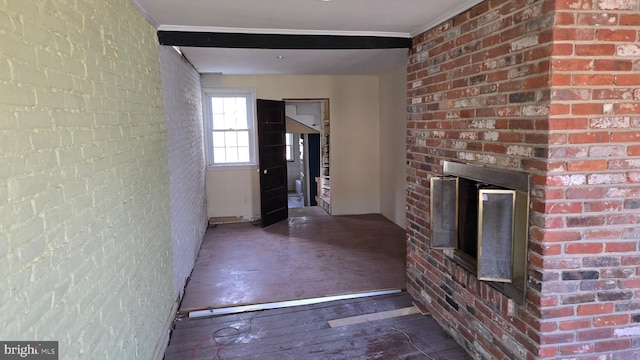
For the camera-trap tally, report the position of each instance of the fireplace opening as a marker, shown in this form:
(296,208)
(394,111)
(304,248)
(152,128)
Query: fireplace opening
(468,217)
(480,216)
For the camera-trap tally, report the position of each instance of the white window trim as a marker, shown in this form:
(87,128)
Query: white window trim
(290,146)
(207,93)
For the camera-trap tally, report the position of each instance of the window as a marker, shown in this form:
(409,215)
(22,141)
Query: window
(229,117)
(289,146)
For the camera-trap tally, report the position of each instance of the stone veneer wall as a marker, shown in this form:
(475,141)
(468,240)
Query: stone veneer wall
(549,88)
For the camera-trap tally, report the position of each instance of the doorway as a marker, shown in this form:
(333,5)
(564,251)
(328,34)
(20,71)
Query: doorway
(306,122)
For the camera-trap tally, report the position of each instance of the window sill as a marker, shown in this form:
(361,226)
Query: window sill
(232,167)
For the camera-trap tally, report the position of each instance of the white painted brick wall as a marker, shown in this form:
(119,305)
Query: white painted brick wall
(183,108)
(85,236)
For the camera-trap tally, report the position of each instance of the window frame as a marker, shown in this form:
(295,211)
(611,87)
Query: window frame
(289,148)
(250,95)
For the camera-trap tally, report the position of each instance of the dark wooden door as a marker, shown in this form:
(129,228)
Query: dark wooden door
(273,162)
(314,167)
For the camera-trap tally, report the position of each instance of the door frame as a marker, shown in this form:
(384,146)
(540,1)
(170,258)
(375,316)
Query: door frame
(324,132)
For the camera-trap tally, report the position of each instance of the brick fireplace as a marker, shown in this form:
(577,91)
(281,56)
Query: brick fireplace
(549,89)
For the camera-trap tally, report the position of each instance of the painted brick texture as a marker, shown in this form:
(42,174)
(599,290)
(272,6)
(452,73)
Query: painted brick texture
(85,242)
(549,88)
(183,109)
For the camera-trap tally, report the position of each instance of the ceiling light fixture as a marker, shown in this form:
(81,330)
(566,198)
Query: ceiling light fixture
(279,57)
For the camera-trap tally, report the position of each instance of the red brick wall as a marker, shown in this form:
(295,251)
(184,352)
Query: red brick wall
(587,247)
(550,88)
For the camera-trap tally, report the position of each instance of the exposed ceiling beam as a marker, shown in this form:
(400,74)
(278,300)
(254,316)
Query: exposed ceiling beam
(279,31)
(280,41)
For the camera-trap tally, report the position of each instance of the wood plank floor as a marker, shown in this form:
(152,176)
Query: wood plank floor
(303,332)
(304,257)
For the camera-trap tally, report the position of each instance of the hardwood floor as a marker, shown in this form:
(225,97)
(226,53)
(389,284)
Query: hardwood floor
(311,255)
(304,332)
(304,257)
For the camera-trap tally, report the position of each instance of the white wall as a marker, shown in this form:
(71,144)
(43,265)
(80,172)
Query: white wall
(355,149)
(305,113)
(393,120)
(85,236)
(233,193)
(185,142)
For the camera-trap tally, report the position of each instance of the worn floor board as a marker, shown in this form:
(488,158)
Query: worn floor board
(304,333)
(304,257)
(374,317)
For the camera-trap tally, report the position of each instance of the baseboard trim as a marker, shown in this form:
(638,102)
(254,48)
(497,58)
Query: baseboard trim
(227,220)
(163,342)
(284,304)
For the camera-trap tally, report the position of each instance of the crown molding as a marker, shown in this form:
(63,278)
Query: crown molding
(446,16)
(144,13)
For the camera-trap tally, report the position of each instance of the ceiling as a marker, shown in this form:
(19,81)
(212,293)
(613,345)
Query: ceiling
(380,18)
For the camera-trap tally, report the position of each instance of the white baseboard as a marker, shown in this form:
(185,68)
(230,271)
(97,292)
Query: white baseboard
(163,342)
